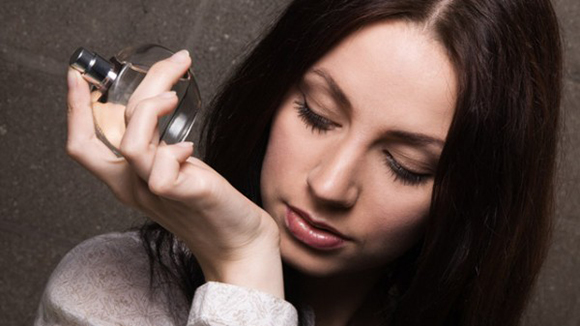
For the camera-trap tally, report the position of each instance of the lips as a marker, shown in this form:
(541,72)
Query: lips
(314,234)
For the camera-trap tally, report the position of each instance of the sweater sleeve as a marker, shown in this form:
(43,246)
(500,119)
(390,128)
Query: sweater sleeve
(218,304)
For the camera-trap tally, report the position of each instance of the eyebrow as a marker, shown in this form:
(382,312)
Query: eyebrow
(410,137)
(416,138)
(334,88)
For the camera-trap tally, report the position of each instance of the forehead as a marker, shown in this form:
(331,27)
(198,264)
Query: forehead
(394,72)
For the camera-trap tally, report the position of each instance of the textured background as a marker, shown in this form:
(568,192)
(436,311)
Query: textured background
(48,203)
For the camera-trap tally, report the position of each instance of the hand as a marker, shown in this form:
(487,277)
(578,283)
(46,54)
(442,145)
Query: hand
(234,240)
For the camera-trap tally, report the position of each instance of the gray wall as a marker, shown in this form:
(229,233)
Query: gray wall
(48,203)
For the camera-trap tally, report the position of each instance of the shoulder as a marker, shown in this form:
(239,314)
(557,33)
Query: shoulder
(107,262)
(103,252)
(103,280)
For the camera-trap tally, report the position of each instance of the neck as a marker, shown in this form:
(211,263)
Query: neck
(341,300)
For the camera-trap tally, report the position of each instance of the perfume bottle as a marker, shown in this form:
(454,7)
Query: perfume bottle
(113,81)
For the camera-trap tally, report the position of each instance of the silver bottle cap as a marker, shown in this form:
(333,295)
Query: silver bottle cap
(94,68)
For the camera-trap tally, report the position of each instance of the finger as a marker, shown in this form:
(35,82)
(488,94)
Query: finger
(160,78)
(165,173)
(80,116)
(199,163)
(82,143)
(144,200)
(140,140)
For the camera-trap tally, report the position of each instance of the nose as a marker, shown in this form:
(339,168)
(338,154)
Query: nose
(333,181)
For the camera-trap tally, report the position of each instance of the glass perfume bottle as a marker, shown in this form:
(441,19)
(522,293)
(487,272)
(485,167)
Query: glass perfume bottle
(116,79)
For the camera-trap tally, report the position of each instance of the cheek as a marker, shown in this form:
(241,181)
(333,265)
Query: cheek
(396,224)
(282,154)
(287,150)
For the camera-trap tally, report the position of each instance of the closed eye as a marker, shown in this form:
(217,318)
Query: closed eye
(312,119)
(405,175)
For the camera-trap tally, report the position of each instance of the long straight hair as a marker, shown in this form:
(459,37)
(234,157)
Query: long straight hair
(490,216)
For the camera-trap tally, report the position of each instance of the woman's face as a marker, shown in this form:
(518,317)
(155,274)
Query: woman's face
(348,172)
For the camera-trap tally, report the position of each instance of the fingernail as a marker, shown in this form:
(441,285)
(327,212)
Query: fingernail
(180,56)
(167,95)
(185,144)
(71,78)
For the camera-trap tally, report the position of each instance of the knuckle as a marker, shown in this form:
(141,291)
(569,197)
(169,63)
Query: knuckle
(129,113)
(129,150)
(138,106)
(203,188)
(158,182)
(133,149)
(164,151)
(137,109)
(74,149)
(160,185)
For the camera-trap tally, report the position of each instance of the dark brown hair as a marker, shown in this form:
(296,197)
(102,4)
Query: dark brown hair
(491,209)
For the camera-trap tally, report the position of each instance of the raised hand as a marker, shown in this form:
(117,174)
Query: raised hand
(234,240)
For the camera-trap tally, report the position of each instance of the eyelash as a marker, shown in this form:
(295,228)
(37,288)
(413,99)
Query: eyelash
(322,125)
(313,120)
(404,175)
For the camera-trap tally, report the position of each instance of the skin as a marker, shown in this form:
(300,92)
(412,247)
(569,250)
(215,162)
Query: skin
(396,78)
(232,238)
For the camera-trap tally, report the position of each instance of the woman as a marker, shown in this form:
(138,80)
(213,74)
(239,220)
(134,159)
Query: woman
(371,162)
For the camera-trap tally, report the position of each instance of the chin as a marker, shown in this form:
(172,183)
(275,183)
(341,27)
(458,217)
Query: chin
(329,264)
(313,263)
(312,269)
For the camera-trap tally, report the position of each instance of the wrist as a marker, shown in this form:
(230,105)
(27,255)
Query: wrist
(258,268)
(256,265)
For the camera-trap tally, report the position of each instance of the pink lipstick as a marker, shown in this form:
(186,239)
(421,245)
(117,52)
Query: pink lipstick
(314,234)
